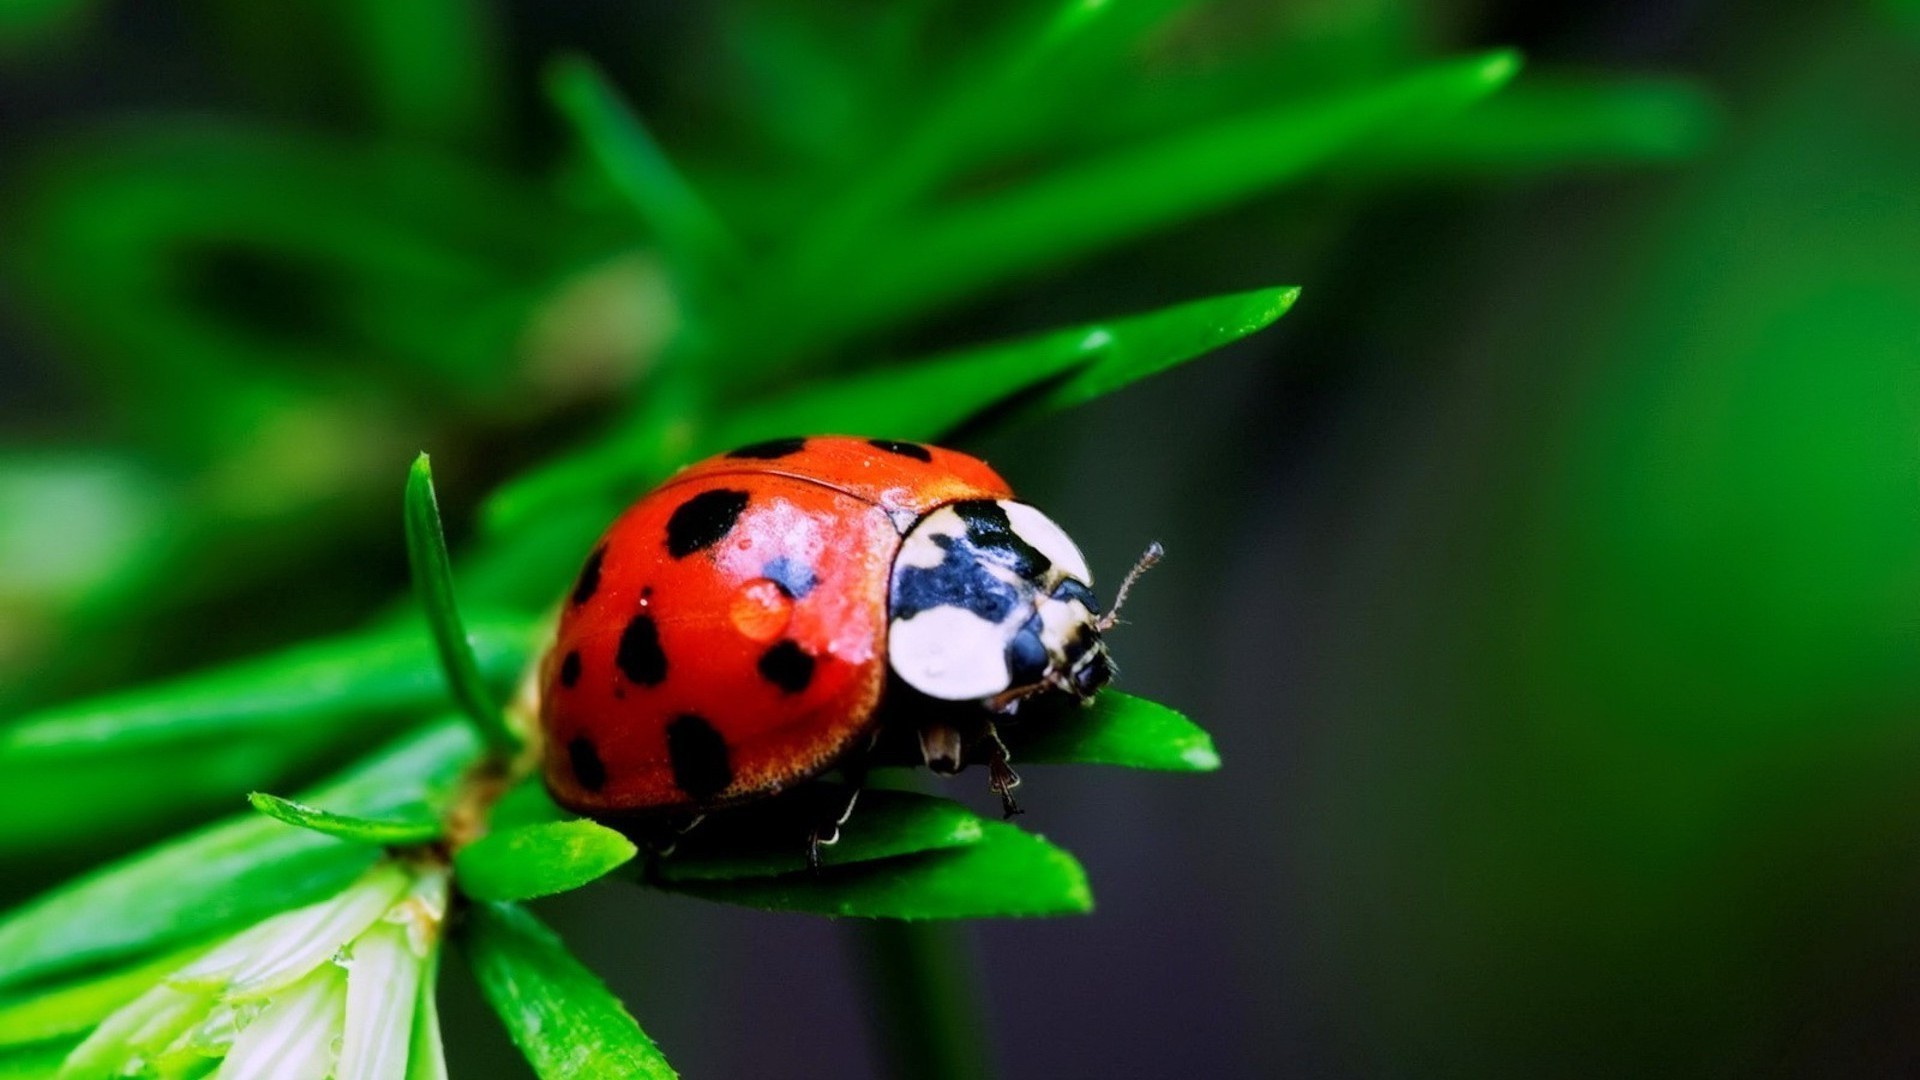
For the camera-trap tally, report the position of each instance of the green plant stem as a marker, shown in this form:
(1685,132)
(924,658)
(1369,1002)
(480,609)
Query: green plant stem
(924,995)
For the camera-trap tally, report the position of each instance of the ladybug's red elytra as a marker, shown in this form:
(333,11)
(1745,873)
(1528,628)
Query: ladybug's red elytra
(738,630)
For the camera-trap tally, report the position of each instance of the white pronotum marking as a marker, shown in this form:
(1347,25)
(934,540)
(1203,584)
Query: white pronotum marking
(950,653)
(1048,538)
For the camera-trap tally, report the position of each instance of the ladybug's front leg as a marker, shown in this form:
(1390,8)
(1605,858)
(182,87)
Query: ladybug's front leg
(1001,779)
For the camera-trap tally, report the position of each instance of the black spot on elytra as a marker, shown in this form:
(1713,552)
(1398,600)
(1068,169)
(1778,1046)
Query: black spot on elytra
(570,668)
(640,657)
(792,575)
(904,449)
(769,450)
(587,766)
(589,582)
(989,530)
(703,521)
(1026,655)
(787,666)
(699,756)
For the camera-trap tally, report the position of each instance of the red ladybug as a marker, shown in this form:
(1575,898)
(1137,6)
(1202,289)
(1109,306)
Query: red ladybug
(736,630)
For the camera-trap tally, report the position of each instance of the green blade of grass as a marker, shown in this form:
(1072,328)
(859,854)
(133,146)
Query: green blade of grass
(1554,122)
(1006,873)
(227,873)
(1077,210)
(638,169)
(884,825)
(539,860)
(447,93)
(181,747)
(1117,729)
(928,399)
(34,1062)
(427,1056)
(72,1009)
(420,828)
(560,1015)
(433,585)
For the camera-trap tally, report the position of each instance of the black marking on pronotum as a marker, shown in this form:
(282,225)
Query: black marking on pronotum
(792,575)
(570,668)
(960,580)
(1027,655)
(703,521)
(699,756)
(589,582)
(770,449)
(587,766)
(787,666)
(904,449)
(989,530)
(640,657)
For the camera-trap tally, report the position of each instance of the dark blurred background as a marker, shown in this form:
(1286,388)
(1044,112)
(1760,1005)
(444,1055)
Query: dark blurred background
(1550,577)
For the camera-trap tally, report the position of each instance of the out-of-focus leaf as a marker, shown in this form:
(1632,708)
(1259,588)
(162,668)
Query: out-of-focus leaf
(925,400)
(638,169)
(382,673)
(1117,729)
(226,873)
(539,860)
(884,825)
(190,742)
(433,587)
(560,1015)
(1550,123)
(421,828)
(34,1063)
(527,803)
(73,1008)
(431,68)
(1007,872)
(1076,210)
(206,265)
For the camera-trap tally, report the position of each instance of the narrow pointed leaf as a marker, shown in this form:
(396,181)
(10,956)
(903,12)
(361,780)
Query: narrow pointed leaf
(420,828)
(636,167)
(1117,729)
(1078,210)
(232,872)
(433,585)
(72,1009)
(930,398)
(539,860)
(427,1056)
(191,745)
(1006,873)
(558,1013)
(884,825)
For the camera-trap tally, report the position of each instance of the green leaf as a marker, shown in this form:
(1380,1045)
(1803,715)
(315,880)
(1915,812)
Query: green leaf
(74,1008)
(447,93)
(427,1056)
(1554,122)
(539,860)
(422,828)
(1006,873)
(928,399)
(884,825)
(433,585)
(637,168)
(1077,210)
(231,872)
(193,743)
(558,1013)
(34,1063)
(1117,729)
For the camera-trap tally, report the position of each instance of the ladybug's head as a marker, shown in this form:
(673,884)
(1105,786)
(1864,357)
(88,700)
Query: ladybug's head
(991,601)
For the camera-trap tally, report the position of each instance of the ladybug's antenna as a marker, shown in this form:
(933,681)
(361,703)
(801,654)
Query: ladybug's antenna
(1147,559)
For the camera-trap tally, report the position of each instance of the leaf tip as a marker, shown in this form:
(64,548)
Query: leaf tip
(1200,755)
(1498,67)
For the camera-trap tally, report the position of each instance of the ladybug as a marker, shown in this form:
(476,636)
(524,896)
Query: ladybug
(754,622)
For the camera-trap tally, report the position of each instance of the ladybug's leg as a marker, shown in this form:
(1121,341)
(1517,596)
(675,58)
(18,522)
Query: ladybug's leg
(1001,779)
(941,746)
(834,805)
